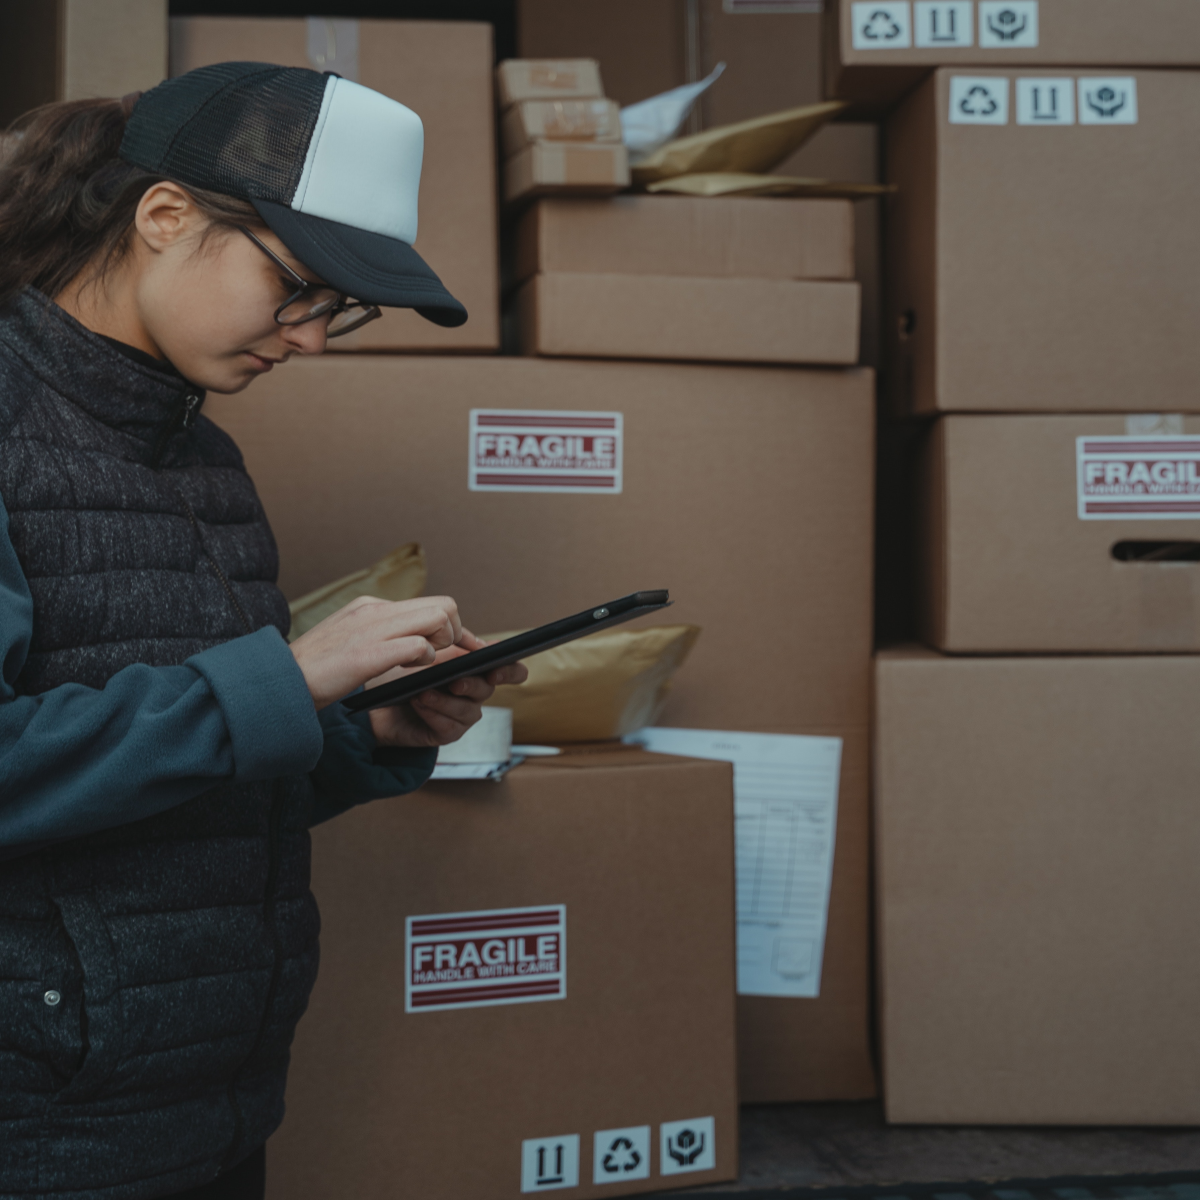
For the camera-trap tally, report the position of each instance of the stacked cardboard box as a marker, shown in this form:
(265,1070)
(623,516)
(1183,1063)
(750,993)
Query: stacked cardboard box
(692,278)
(560,135)
(715,469)
(1040,308)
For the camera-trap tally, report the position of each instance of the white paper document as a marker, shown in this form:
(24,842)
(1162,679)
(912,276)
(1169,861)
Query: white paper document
(785,790)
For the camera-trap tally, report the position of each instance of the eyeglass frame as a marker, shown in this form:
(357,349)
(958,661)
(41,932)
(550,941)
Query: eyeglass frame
(341,305)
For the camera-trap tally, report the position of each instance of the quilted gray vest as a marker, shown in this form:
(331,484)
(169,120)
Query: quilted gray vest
(184,946)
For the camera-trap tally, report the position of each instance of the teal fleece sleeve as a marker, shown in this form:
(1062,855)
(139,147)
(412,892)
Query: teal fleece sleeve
(354,768)
(75,759)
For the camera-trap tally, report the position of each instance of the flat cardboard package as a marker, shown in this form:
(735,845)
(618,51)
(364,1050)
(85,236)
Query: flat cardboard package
(559,120)
(443,71)
(547,79)
(1065,533)
(731,237)
(608,877)
(1045,269)
(78,50)
(580,168)
(874,53)
(690,319)
(1037,834)
(354,456)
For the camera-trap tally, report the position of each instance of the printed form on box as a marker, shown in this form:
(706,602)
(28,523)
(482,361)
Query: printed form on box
(785,789)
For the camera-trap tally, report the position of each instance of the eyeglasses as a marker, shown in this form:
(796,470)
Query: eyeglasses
(312,300)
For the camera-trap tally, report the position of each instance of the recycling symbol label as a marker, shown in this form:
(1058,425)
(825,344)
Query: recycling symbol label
(881,26)
(1108,101)
(687,1146)
(621,1154)
(1008,24)
(978,100)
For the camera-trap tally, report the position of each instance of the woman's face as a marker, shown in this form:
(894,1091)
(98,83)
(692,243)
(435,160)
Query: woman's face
(208,303)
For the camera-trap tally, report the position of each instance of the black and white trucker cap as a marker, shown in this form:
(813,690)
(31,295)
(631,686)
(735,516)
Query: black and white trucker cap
(332,167)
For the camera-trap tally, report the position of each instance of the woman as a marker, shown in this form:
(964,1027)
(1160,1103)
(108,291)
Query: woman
(163,750)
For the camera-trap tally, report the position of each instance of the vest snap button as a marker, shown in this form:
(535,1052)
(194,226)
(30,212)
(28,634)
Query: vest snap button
(52,997)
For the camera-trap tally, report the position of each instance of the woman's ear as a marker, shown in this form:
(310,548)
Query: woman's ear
(165,215)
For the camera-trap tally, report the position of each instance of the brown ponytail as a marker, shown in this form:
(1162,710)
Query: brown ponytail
(67,201)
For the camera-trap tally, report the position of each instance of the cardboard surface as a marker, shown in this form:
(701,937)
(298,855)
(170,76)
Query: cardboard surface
(79,50)
(519,79)
(1073,33)
(690,318)
(640,853)
(1108,207)
(355,455)
(575,168)
(559,120)
(686,235)
(1036,841)
(1009,565)
(443,71)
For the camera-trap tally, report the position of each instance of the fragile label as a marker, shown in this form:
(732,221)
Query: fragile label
(500,956)
(943,23)
(1138,478)
(1108,101)
(530,450)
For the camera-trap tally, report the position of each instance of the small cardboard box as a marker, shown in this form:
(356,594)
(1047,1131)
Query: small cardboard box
(1051,268)
(559,121)
(1037,835)
(690,319)
(580,168)
(520,79)
(717,237)
(355,455)
(877,52)
(1069,533)
(443,71)
(524,986)
(79,50)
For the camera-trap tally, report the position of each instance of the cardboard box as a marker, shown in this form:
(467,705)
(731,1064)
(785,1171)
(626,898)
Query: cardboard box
(559,120)
(576,168)
(731,237)
(546,79)
(1071,533)
(877,52)
(354,456)
(1045,269)
(80,49)
(1036,840)
(690,319)
(634,1031)
(639,46)
(443,71)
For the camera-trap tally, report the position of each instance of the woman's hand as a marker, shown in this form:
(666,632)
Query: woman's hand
(435,718)
(370,638)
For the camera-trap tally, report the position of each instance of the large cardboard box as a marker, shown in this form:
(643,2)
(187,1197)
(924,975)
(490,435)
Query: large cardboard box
(1065,533)
(730,237)
(690,318)
(443,71)
(78,50)
(746,491)
(1036,839)
(874,53)
(1045,269)
(603,885)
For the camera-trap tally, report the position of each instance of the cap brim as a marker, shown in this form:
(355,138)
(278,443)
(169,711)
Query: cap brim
(367,267)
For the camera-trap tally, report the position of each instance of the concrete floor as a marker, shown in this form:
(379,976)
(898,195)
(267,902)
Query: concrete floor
(848,1145)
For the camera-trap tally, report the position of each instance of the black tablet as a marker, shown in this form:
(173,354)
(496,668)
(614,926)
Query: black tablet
(511,650)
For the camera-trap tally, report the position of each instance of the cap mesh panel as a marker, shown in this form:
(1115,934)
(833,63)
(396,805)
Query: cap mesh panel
(241,129)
